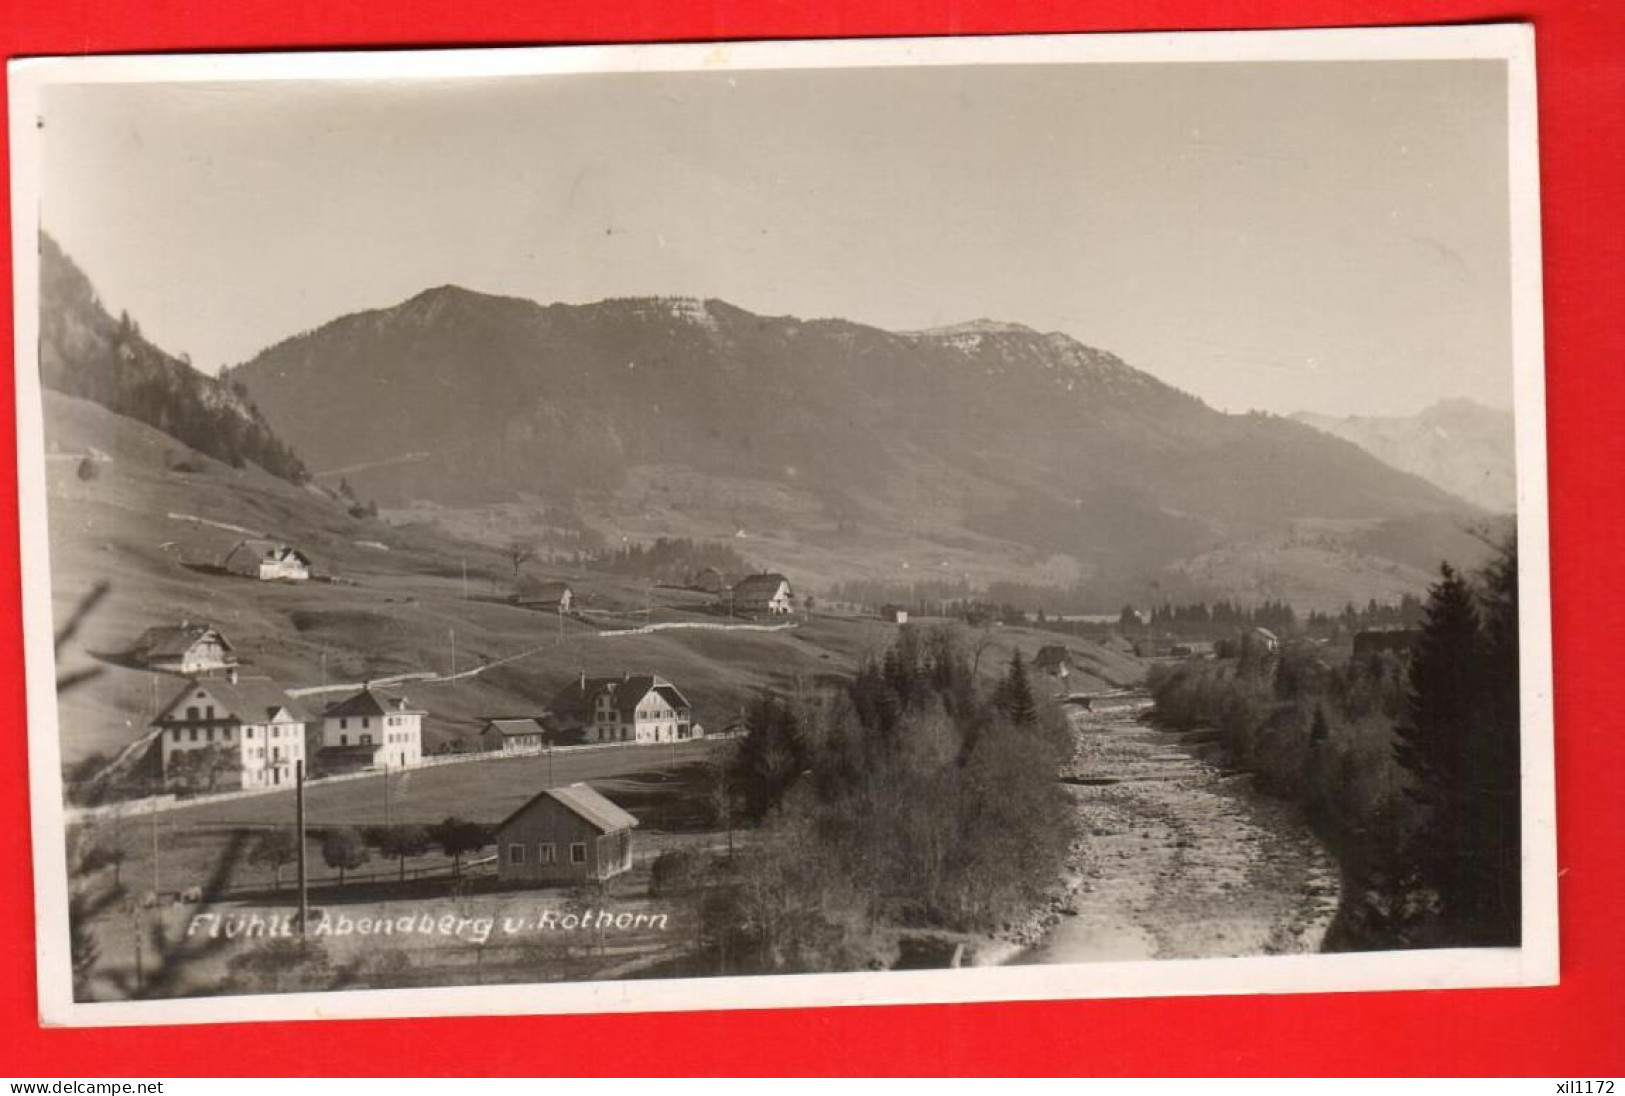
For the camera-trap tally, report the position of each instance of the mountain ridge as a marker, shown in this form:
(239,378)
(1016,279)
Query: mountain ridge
(1457,444)
(85,352)
(843,432)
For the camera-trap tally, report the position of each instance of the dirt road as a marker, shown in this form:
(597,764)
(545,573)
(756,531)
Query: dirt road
(1180,859)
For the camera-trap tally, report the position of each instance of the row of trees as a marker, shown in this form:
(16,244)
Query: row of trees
(1407,764)
(672,560)
(914,797)
(346,848)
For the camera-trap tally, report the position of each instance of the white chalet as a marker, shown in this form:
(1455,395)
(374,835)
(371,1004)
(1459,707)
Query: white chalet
(267,560)
(226,734)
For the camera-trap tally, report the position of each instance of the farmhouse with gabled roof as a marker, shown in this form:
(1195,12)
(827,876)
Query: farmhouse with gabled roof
(629,708)
(767,594)
(268,560)
(184,648)
(553,597)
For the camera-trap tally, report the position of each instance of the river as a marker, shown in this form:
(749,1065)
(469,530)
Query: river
(1181,859)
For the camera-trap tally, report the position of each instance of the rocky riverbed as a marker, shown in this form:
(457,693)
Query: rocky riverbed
(1178,857)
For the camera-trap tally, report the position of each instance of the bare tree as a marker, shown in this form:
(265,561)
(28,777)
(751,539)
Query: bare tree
(520,552)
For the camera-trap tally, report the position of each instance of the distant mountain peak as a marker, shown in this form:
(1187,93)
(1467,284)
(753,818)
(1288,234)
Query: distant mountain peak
(693,310)
(970,329)
(1456,443)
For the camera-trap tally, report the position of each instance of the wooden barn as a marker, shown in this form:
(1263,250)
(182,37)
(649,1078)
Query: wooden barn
(564,835)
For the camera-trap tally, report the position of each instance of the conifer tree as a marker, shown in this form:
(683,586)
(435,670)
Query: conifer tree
(1015,695)
(1436,741)
(1492,908)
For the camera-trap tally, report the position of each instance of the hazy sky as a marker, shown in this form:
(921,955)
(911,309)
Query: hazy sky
(1282,236)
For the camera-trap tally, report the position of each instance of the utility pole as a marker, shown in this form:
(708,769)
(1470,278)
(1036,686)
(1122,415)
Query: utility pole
(299,842)
(454,655)
(465,580)
(154,815)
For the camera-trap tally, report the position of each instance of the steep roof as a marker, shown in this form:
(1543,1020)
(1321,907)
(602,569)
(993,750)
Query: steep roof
(261,548)
(584,802)
(576,701)
(765,585)
(511,728)
(370,702)
(248,700)
(175,639)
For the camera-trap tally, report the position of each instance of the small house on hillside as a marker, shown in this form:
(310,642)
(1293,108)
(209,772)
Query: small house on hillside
(221,734)
(767,594)
(564,835)
(1267,639)
(894,614)
(511,736)
(267,560)
(184,648)
(1377,641)
(370,729)
(551,597)
(629,708)
(1053,659)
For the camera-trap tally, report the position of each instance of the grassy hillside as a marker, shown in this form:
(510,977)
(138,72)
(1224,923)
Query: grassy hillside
(85,352)
(979,451)
(141,523)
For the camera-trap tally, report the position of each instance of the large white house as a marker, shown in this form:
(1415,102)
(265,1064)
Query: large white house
(629,708)
(370,729)
(222,734)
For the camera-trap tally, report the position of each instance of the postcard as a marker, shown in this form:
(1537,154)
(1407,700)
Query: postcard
(773,524)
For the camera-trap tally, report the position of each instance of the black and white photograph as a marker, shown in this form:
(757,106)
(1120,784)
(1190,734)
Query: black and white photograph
(783,523)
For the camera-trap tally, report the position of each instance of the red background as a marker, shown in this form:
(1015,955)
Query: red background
(1574,1030)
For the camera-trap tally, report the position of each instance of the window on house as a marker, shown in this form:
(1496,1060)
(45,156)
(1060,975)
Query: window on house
(546,853)
(191,713)
(344,740)
(208,712)
(365,722)
(366,740)
(343,723)
(578,853)
(248,732)
(516,854)
(193,735)
(175,735)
